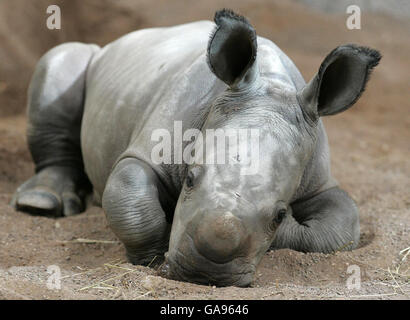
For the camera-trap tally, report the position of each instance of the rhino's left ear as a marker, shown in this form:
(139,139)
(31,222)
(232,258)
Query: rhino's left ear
(341,79)
(232,49)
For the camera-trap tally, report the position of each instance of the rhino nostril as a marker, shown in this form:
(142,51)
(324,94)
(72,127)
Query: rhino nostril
(219,236)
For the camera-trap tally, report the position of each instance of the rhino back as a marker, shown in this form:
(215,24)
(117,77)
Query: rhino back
(149,79)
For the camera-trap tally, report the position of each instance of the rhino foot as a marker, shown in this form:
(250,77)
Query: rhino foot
(54,192)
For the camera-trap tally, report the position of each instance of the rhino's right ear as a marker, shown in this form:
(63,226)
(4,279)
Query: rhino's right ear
(232,49)
(341,79)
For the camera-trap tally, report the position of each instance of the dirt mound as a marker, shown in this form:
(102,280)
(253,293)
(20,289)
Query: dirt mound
(369,146)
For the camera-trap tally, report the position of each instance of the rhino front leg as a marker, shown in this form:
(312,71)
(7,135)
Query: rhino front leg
(131,201)
(325,223)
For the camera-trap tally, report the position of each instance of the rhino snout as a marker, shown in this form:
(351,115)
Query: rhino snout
(219,236)
(212,249)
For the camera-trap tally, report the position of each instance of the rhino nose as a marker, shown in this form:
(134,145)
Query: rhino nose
(219,236)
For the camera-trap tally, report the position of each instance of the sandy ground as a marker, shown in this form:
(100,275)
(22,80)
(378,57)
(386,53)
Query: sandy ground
(370,147)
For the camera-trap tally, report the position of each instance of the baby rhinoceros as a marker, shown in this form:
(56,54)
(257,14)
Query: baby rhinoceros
(93,118)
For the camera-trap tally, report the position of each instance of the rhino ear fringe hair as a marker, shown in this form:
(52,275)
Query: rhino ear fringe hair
(230,15)
(227,13)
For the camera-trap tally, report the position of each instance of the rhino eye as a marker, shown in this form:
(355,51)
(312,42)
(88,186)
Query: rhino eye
(189,180)
(280,215)
(193,176)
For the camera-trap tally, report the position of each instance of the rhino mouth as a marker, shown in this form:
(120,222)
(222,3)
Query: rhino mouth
(197,269)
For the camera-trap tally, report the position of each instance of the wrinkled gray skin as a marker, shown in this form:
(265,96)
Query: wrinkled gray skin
(92,111)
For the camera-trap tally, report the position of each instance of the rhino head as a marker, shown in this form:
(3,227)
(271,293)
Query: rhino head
(225,220)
